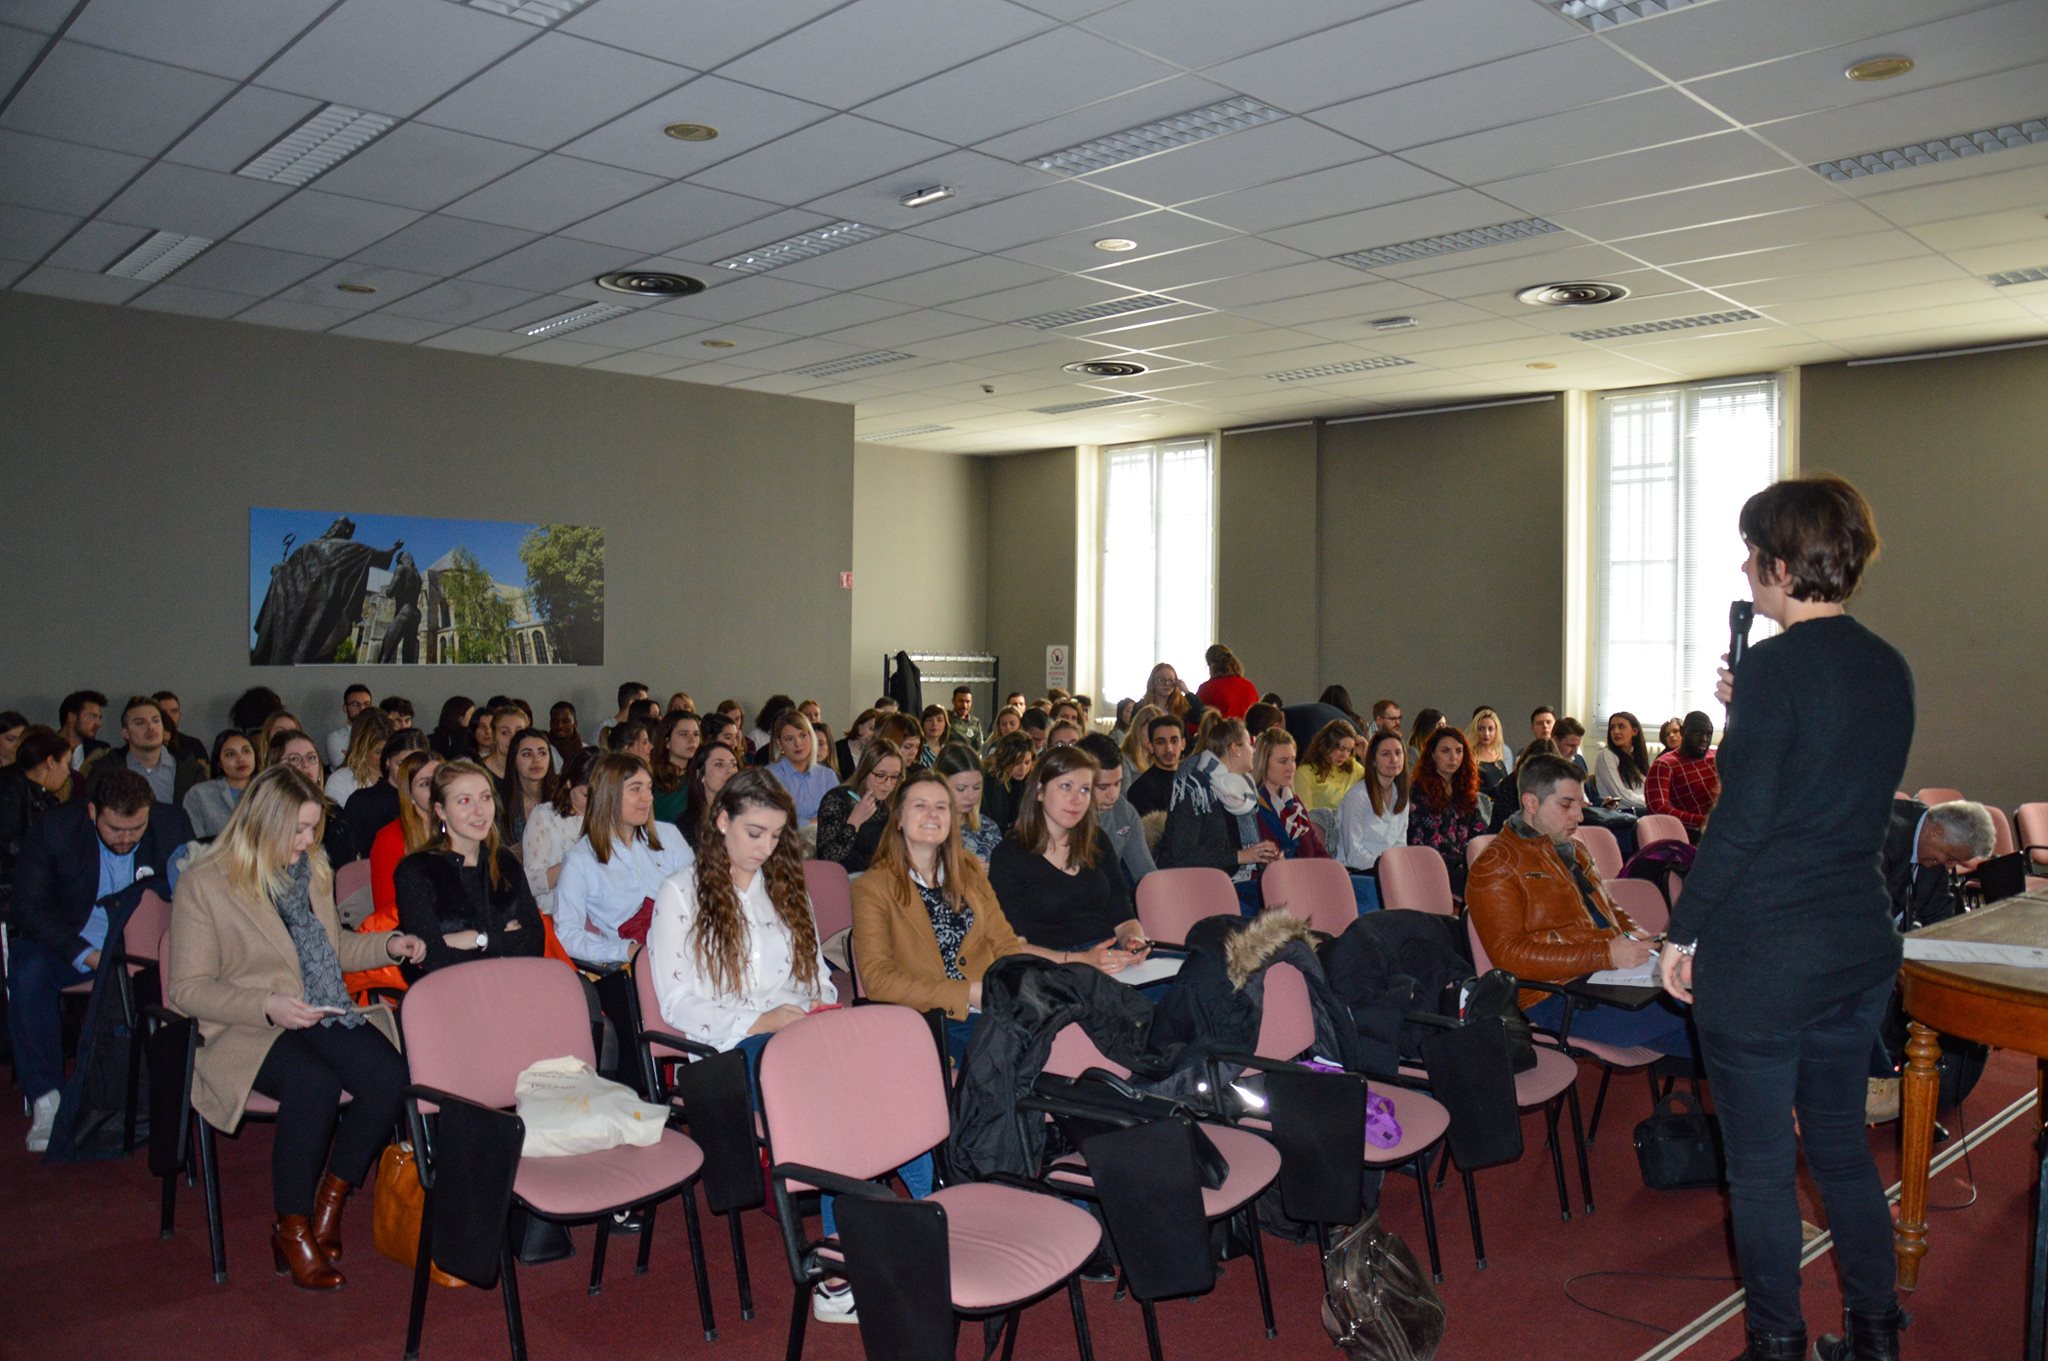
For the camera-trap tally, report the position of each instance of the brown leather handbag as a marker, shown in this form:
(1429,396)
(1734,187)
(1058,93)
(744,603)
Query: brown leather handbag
(395,1210)
(1377,1303)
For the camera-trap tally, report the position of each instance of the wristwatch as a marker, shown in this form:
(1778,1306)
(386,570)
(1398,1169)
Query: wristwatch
(483,940)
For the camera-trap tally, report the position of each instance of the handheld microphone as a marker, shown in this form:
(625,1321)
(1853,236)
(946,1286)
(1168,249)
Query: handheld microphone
(1740,615)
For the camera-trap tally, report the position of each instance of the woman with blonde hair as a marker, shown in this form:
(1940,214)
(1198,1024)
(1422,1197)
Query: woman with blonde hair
(256,957)
(276,724)
(1329,768)
(1136,745)
(1164,691)
(1490,752)
(363,764)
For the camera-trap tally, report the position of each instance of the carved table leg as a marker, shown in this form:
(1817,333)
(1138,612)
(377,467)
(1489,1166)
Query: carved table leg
(1909,1236)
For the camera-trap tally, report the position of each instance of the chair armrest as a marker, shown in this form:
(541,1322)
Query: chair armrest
(669,1040)
(832,1182)
(156,1014)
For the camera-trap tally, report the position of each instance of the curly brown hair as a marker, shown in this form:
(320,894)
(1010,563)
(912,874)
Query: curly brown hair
(718,936)
(1462,790)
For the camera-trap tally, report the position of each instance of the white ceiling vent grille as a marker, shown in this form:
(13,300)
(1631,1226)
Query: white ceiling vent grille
(159,255)
(1645,328)
(1982,142)
(1073,316)
(802,246)
(1333,370)
(827,368)
(901,432)
(1449,243)
(1065,407)
(317,145)
(1149,139)
(1599,14)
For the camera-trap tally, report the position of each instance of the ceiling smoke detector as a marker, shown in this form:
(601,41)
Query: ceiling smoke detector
(1105,368)
(649,283)
(1578,293)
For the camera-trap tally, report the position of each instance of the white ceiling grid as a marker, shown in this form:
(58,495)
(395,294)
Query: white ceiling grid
(1672,154)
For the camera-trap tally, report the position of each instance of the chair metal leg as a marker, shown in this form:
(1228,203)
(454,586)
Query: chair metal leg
(508,1285)
(168,1217)
(1472,1213)
(799,1319)
(739,1266)
(209,1181)
(1083,1344)
(1258,1247)
(1571,1097)
(1436,1262)
(1599,1103)
(1443,1166)
(704,1312)
(1551,1112)
(604,1238)
(1151,1330)
(416,1314)
(134,1093)
(646,1239)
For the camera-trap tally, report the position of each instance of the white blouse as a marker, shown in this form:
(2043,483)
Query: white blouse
(1607,779)
(547,840)
(689,1003)
(1363,834)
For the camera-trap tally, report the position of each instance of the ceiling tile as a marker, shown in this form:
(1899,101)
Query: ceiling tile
(60,177)
(233,267)
(416,166)
(231,136)
(391,285)
(1953,293)
(1782,261)
(648,326)
(745,117)
(669,217)
(1819,223)
(752,235)
(1459,210)
(205,35)
(1693,41)
(297,316)
(1322,194)
(1034,80)
(796,353)
(1582,134)
(736,297)
(444,245)
(1879,278)
(1983,229)
(866,49)
(40,16)
(967,279)
(1914,116)
(107,100)
(910,328)
(1198,33)
(1031,217)
(714,34)
(18,49)
(1155,232)
(563,351)
(1775,192)
(459,302)
(471,340)
(555,88)
(393,56)
(1053,295)
(872,262)
(819,159)
(325,224)
(980,346)
(31,233)
(550,193)
(180,199)
(746,341)
(553,263)
(1918,201)
(1361,300)
(829,314)
(641,364)
(378,326)
(1257,156)
(1472,274)
(191,302)
(1218,260)
(974,178)
(1271,285)
(95,246)
(1134,108)
(1703,160)
(78,285)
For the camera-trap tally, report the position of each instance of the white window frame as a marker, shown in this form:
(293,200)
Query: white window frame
(1169,569)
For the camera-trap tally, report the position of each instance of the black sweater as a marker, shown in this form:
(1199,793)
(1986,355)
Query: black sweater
(438,895)
(1787,897)
(1054,909)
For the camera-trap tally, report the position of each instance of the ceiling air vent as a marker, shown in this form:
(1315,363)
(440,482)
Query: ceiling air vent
(648,283)
(1104,368)
(1580,293)
(1064,407)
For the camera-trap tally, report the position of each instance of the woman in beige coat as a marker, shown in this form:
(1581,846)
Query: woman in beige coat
(256,957)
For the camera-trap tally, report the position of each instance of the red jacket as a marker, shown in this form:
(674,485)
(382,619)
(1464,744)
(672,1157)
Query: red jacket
(1229,695)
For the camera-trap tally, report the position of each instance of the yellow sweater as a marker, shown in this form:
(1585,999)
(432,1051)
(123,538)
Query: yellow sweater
(1316,792)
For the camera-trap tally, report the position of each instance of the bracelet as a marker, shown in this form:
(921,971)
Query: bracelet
(1689,949)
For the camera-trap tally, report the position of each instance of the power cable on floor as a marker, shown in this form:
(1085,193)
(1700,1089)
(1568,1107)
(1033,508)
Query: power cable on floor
(1656,1328)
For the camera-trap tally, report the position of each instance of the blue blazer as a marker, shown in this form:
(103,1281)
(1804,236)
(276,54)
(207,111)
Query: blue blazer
(57,878)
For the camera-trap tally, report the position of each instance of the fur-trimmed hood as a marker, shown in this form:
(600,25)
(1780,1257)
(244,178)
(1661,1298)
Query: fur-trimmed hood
(1247,951)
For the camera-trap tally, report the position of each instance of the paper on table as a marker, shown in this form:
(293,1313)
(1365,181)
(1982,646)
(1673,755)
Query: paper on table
(1150,970)
(1643,975)
(1977,952)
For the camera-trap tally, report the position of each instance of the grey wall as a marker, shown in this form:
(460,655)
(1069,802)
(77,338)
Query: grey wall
(1266,556)
(920,561)
(1949,453)
(137,442)
(1031,517)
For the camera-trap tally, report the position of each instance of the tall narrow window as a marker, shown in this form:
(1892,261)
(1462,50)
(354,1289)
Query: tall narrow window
(1158,562)
(1673,467)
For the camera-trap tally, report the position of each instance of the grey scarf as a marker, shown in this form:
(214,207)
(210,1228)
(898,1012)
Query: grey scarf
(319,966)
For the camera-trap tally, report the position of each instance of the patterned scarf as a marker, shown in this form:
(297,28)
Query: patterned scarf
(319,966)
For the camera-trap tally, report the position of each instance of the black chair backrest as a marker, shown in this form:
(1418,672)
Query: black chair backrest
(172,1044)
(1149,1185)
(1318,1125)
(1471,1074)
(475,1157)
(901,1272)
(720,1108)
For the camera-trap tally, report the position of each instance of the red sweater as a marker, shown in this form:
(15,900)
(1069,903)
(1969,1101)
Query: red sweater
(1229,695)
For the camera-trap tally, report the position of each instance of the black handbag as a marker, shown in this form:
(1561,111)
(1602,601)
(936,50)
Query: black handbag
(1377,1304)
(1494,993)
(1679,1146)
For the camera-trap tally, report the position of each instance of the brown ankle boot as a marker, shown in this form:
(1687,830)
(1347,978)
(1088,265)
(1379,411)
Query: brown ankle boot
(327,1206)
(296,1254)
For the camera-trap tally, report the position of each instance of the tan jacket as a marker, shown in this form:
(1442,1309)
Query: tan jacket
(227,955)
(896,953)
(1530,916)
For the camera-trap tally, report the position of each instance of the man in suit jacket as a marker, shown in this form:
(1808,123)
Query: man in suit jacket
(70,861)
(1922,848)
(148,754)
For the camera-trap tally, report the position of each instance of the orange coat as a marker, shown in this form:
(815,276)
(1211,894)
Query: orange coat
(1529,915)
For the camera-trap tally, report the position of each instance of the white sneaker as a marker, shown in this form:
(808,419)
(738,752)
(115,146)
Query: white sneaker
(833,1303)
(44,1119)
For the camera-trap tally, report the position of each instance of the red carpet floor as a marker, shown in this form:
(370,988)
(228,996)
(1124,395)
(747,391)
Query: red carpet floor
(84,1275)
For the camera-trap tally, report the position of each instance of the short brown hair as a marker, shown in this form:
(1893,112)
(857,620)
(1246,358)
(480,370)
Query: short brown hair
(1820,528)
(122,791)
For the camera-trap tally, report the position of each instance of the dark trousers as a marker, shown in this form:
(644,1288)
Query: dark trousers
(1660,1026)
(1818,1071)
(38,975)
(306,1072)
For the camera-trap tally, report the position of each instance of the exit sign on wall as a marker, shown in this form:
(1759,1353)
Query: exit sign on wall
(846,581)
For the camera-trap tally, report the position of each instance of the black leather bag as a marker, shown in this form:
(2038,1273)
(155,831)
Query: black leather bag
(1494,993)
(1377,1303)
(1679,1146)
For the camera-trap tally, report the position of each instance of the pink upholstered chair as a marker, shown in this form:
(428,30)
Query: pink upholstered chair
(1171,901)
(142,953)
(1641,900)
(831,893)
(351,880)
(2031,822)
(1317,891)
(1414,877)
(1605,850)
(470,1031)
(849,1096)
(2002,841)
(1935,793)
(1476,847)
(1654,827)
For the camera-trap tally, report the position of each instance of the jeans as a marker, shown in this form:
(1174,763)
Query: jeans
(1366,889)
(34,1014)
(1660,1026)
(1759,1082)
(305,1072)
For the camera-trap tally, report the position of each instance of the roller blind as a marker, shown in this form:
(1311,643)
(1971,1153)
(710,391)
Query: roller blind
(1673,467)
(1158,562)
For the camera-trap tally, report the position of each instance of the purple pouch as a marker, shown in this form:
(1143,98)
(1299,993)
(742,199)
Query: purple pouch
(1382,1130)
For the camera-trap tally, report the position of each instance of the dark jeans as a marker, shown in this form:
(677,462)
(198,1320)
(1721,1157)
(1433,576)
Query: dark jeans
(1818,1071)
(1660,1026)
(306,1072)
(38,975)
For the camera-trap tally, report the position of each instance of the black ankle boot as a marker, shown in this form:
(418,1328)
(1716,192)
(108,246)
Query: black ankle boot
(1775,1346)
(1868,1337)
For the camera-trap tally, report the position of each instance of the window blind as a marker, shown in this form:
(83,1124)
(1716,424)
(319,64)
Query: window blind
(1158,589)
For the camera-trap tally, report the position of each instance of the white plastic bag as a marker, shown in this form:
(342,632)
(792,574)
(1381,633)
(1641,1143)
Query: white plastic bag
(569,1109)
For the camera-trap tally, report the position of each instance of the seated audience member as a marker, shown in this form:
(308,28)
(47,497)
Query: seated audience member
(1543,722)
(629,694)
(1540,910)
(1506,799)
(1443,800)
(720,730)
(713,765)
(251,708)
(71,861)
(605,892)
(13,727)
(31,789)
(1166,740)
(632,739)
(1213,818)
(362,755)
(1328,768)
(1685,783)
(905,734)
(483,736)
(1226,690)
(1304,721)
(410,830)
(451,735)
(1284,821)
(369,811)
(399,710)
(1055,873)
(280,724)
(1008,720)
(355,700)
(1570,735)
(210,803)
(735,713)
(554,827)
(762,738)
(1036,724)
(681,703)
(1623,764)
(675,742)
(1262,716)
(507,722)
(1136,746)
(1063,733)
(1386,715)
(1013,700)
(646,712)
(796,765)
(1339,698)
(1924,848)
(935,725)
(463,893)
(851,747)
(1120,726)
(274,1016)
(1005,768)
(78,723)
(299,751)
(826,752)
(1374,815)
(181,744)
(1164,692)
(1669,734)
(529,784)
(851,817)
(961,770)
(1491,752)
(1426,722)
(1118,821)
(145,753)
(1066,711)
(563,733)
(966,728)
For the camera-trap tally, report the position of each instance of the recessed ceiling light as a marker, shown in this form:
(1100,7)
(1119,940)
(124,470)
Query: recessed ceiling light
(917,198)
(574,321)
(1047,321)
(1449,243)
(1332,370)
(1149,139)
(1644,328)
(828,368)
(649,283)
(1953,148)
(1116,244)
(316,146)
(356,288)
(1599,14)
(1391,323)
(1578,293)
(718,344)
(539,13)
(803,246)
(1541,364)
(1880,68)
(690,132)
(2036,275)
(158,256)
(1064,407)
(1105,368)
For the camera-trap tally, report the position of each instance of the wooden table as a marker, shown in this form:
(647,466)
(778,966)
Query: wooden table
(1991,1004)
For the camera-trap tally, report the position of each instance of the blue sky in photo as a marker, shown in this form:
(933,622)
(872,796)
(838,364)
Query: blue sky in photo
(495,542)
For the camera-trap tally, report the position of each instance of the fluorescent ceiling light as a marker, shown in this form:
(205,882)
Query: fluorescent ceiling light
(1047,321)
(829,367)
(901,432)
(802,246)
(2036,275)
(1599,14)
(316,146)
(539,13)
(1064,407)
(1982,142)
(917,198)
(1644,328)
(576,320)
(1149,139)
(158,256)
(1449,243)
(1332,370)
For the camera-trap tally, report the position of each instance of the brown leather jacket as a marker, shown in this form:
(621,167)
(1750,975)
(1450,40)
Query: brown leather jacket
(1528,912)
